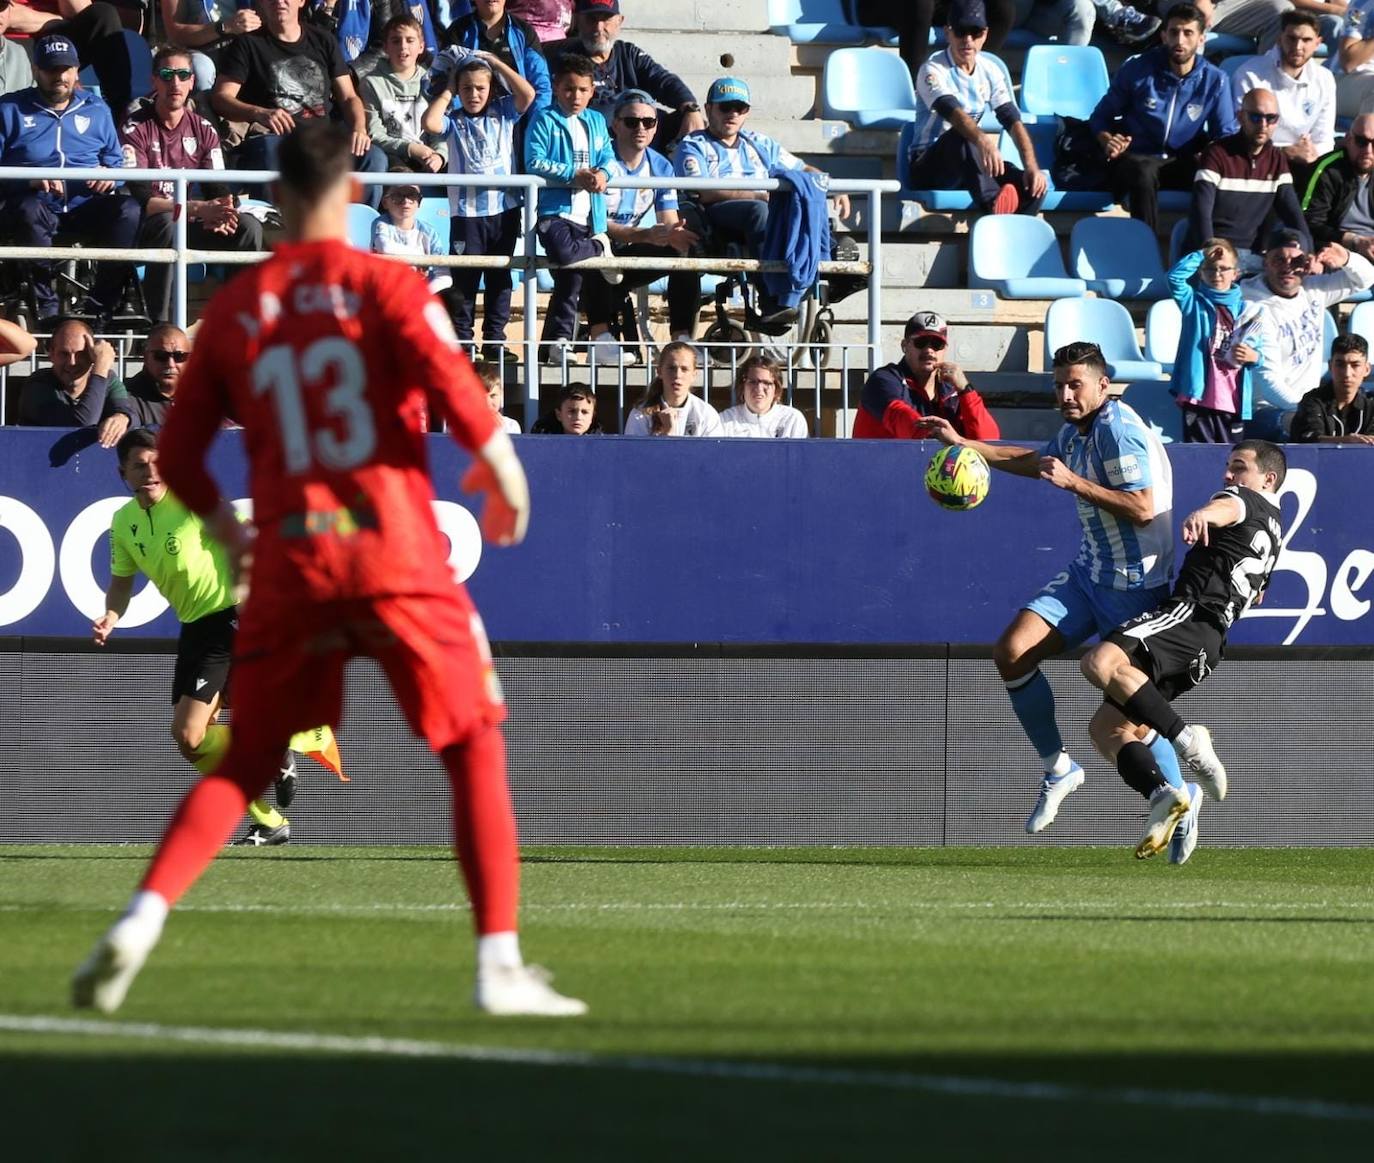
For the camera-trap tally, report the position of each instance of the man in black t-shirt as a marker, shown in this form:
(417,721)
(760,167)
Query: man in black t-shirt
(1151,660)
(283,72)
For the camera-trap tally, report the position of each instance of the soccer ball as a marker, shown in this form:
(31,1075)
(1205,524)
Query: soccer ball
(957,478)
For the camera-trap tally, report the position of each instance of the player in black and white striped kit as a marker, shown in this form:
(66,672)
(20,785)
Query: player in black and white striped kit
(1151,660)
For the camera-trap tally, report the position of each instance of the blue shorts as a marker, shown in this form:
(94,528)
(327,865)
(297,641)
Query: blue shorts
(1078,609)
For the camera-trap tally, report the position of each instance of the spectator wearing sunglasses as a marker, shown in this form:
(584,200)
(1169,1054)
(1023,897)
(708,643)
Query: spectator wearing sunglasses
(15,71)
(152,389)
(164,132)
(1243,182)
(949,150)
(1338,201)
(643,223)
(897,397)
(1294,293)
(1164,107)
(205,28)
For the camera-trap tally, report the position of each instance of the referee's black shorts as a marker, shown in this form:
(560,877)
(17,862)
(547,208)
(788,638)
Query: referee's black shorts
(203,653)
(1175,647)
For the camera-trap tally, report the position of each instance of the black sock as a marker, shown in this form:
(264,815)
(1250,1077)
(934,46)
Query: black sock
(1150,707)
(1139,769)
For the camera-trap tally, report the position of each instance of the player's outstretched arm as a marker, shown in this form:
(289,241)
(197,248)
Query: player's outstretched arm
(1010,458)
(1135,505)
(116,602)
(1219,512)
(497,474)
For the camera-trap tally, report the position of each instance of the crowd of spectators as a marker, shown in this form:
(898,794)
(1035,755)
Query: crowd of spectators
(1280,225)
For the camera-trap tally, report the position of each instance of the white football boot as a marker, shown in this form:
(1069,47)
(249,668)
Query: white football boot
(102,980)
(1168,805)
(1185,835)
(1053,790)
(1201,758)
(523,989)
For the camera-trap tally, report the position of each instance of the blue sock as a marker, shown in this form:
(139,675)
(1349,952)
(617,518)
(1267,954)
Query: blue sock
(1163,751)
(1033,702)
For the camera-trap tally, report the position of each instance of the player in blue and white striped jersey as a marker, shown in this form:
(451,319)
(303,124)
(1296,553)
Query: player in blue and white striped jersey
(955,88)
(1116,468)
(643,223)
(478,134)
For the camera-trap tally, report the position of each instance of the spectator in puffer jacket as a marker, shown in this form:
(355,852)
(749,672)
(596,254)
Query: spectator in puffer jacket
(1339,412)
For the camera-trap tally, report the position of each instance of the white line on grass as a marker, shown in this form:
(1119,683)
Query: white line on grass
(1163,908)
(943,1084)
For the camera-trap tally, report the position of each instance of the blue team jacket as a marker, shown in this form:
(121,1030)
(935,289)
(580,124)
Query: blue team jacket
(1197,303)
(1164,114)
(81,135)
(798,233)
(549,155)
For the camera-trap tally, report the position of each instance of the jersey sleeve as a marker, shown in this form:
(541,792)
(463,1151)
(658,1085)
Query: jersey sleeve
(121,560)
(427,348)
(691,161)
(201,404)
(661,167)
(1244,505)
(1125,455)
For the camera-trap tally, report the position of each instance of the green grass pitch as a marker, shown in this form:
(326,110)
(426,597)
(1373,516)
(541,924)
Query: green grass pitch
(1058,1003)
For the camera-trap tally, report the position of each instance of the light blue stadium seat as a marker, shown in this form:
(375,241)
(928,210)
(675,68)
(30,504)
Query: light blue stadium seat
(141,65)
(1158,407)
(1018,257)
(1223,44)
(868,87)
(434,213)
(1118,258)
(1066,80)
(1232,65)
(1176,237)
(1162,327)
(1361,323)
(1329,333)
(1042,135)
(812,21)
(935,200)
(1106,323)
(360,220)
(989,119)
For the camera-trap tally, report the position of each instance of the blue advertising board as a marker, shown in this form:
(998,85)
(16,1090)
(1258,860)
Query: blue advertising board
(731,541)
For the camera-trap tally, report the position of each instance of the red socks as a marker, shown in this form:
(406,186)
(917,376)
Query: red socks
(484,829)
(199,828)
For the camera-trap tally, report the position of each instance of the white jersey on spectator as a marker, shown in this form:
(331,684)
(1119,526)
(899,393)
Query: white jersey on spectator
(1120,451)
(695,418)
(388,238)
(484,144)
(779,420)
(700,155)
(1307,102)
(1291,330)
(978,92)
(626,207)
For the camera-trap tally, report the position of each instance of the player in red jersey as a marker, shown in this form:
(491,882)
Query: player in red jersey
(328,356)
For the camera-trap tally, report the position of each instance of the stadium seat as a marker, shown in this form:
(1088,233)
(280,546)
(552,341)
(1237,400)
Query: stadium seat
(813,21)
(1223,44)
(1176,237)
(1329,333)
(1158,407)
(989,120)
(434,213)
(1106,323)
(943,201)
(1018,257)
(1162,327)
(868,87)
(1361,323)
(1065,80)
(1118,258)
(141,66)
(1042,135)
(1232,65)
(360,220)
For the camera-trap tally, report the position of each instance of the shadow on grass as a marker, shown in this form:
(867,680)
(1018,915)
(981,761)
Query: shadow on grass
(166,1103)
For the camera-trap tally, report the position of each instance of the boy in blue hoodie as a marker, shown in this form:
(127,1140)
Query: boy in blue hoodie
(1217,343)
(569,146)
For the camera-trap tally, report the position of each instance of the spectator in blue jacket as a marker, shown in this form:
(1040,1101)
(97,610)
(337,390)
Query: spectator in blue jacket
(1218,342)
(569,146)
(490,28)
(1162,109)
(56,125)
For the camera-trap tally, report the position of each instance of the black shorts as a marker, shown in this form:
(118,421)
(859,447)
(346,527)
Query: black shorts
(1174,647)
(203,653)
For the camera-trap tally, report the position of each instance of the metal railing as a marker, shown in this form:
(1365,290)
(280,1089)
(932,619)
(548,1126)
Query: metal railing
(181,254)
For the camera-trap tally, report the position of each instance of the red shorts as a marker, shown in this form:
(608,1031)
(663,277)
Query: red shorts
(289,664)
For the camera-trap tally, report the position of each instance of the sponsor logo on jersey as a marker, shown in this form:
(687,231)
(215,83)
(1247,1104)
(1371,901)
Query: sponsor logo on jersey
(1124,470)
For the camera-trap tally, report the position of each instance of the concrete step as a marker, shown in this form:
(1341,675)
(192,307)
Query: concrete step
(675,15)
(781,97)
(957,305)
(806,136)
(756,57)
